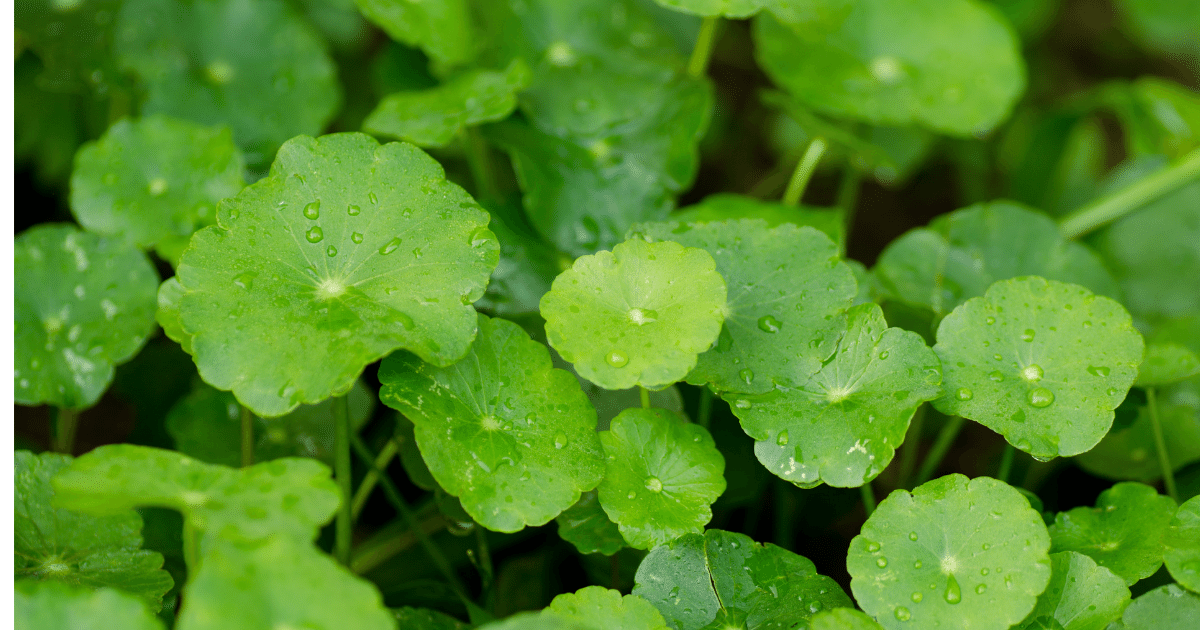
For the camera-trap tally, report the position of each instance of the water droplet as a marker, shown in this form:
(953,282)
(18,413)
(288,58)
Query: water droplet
(372,198)
(416,252)
(953,593)
(747,375)
(917,564)
(313,210)
(1041,397)
(881,562)
(331,251)
(917,596)
(883,355)
(991,320)
(1032,373)
(768,323)
(873,547)
(912,536)
(245,279)
(560,440)
(390,246)
(1111,391)
(964,394)
(481,236)
(996,376)
(631,495)
(353,210)
(902,614)
(981,589)
(642,316)
(314,234)
(814,607)
(782,438)
(653,484)
(356,238)
(1027,335)
(1098,370)
(617,359)
(405,321)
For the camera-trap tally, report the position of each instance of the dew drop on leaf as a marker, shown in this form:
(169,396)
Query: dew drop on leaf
(981,589)
(390,246)
(331,251)
(912,536)
(353,210)
(653,484)
(996,376)
(782,438)
(560,440)
(1098,370)
(356,238)
(312,210)
(953,593)
(768,323)
(881,562)
(873,547)
(917,596)
(617,359)
(314,234)
(964,394)
(747,376)
(1027,335)
(245,279)
(1032,373)
(372,198)
(1041,397)
(902,614)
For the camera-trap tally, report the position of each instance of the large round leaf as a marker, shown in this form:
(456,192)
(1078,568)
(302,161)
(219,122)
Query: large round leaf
(842,425)
(1081,596)
(83,304)
(842,619)
(638,315)
(722,579)
(52,606)
(155,181)
(957,553)
(606,608)
(786,294)
(508,434)
(353,248)
(586,526)
(1042,362)
(870,62)
(1167,363)
(1165,608)
(1182,545)
(1123,533)
(663,475)
(730,207)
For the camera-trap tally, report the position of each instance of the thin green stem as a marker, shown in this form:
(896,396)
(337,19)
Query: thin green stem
(704,413)
(483,560)
(247,437)
(645,397)
(368,483)
(1006,463)
(191,547)
(397,501)
(1112,207)
(911,448)
(479,161)
(705,39)
(804,171)
(868,498)
(390,542)
(66,421)
(1164,458)
(941,446)
(341,469)
(847,200)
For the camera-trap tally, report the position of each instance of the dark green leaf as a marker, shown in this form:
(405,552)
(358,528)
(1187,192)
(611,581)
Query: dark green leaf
(55,606)
(1123,533)
(1165,608)
(586,526)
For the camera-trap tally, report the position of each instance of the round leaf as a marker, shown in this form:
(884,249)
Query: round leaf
(730,207)
(1165,608)
(509,435)
(842,425)
(712,8)
(1081,596)
(52,605)
(722,579)
(355,249)
(871,63)
(1123,533)
(1182,545)
(842,619)
(1042,362)
(442,29)
(1166,363)
(1130,453)
(586,526)
(956,553)
(605,608)
(154,180)
(167,314)
(83,304)
(638,315)
(425,619)
(787,292)
(663,475)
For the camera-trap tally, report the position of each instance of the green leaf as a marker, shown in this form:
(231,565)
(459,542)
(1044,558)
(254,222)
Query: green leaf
(787,291)
(1166,363)
(663,475)
(528,264)
(606,608)
(867,62)
(288,497)
(1081,595)
(443,29)
(1162,25)
(962,253)
(72,39)
(206,425)
(1160,116)
(1165,608)
(54,606)
(280,583)
(541,620)
(1130,452)
(1041,362)
(712,8)
(842,619)
(154,180)
(730,207)
(410,455)
(83,304)
(842,424)
(586,526)
(356,249)
(511,436)
(956,552)
(167,314)
(638,315)
(64,546)
(265,73)
(425,619)
(432,118)
(722,579)
(1182,545)
(1123,533)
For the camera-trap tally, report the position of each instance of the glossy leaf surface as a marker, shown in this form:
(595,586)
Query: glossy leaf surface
(1081,595)
(1123,533)
(1182,545)
(606,608)
(1164,608)
(52,605)
(586,526)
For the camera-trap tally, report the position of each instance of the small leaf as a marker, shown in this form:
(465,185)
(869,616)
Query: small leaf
(64,546)
(167,314)
(1164,608)
(1081,595)
(154,180)
(663,475)
(1123,533)
(722,579)
(426,619)
(356,249)
(842,619)
(1130,453)
(638,315)
(955,552)
(442,29)
(586,526)
(540,620)
(72,40)
(730,207)
(786,294)
(432,118)
(291,497)
(712,8)
(1042,362)
(528,264)
(1182,545)
(1166,363)
(503,430)
(83,304)
(51,605)
(842,425)
(606,608)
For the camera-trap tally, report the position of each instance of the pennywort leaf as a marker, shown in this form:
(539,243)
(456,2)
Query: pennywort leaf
(842,619)
(1182,545)
(1166,363)
(606,608)
(1164,608)
(1081,595)
(588,527)
(56,605)
(730,207)
(1123,533)
(443,29)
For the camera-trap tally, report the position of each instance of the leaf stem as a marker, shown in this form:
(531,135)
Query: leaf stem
(247,437)
(66,421)
(941,446)
(341,467)
(847,200)
(704,413)
(483,561)
(386,545)
(804,171)
(479,161)
(368,483)
(393,495)
(191,547)
(868,498)
(1006,463)
(1120,203)
(705,39)
(1160,443)
(645,397)
(911,448)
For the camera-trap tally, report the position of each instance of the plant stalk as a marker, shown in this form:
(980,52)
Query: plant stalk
(66,421)
(376,551)
(847,200)
(341,467)
(804,171)
(868,498)
(945,439)
(483,561)
(704,413)
(645,393)
(368,483)
(247,437)
(1006,463)
(191,547)
(1130,198)
(1160,444)
(701,53)
(911,448)
(479,161)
